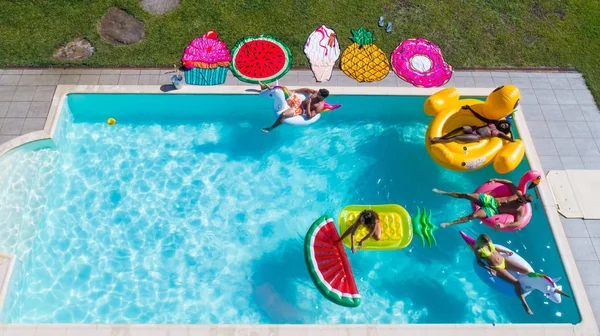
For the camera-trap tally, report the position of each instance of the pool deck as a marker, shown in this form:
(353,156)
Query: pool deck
(564,126)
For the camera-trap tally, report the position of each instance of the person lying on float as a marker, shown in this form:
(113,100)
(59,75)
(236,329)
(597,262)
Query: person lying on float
(499,261)
(492,128)
(497,265)
(368,218)
(311,106)
(491,206)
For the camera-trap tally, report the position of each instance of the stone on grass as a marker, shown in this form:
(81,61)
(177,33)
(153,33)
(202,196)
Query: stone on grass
(76,50)
(120,28)
(159,6)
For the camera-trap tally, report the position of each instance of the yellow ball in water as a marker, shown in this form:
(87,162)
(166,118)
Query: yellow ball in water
(111,121)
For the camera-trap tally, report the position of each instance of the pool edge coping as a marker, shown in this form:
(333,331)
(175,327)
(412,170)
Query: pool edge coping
(11,259)
(587,326)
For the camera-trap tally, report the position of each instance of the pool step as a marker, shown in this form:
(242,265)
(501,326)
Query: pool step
(576,192)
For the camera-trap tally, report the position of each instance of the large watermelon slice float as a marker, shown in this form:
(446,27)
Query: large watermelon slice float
(328,263)
(262,58)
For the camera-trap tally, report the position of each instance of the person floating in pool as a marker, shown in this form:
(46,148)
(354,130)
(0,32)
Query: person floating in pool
(311,106)
(491,206)
(492,128)
(368,218)
(497,265)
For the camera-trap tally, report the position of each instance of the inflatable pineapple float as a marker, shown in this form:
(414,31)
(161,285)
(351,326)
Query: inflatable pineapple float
(363,60)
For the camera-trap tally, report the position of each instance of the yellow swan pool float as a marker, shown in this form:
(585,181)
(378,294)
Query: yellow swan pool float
(396,226)
(445,107)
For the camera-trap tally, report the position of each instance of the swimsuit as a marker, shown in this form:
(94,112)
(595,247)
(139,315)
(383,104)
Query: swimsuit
(488,204)
(483,131)
(295,103)
(486,253)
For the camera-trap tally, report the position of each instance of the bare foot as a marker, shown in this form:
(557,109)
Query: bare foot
(529,311)
(438,191)
(264,86)
(433,140)
(265,130)
(444,225)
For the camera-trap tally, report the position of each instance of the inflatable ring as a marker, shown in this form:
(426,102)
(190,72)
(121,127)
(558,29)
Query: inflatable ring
(497,189)
(280,96)
(446,109)
(420,62)
(530,282)
(396,226)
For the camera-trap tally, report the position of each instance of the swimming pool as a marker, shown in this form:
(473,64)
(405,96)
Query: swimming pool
(184,212)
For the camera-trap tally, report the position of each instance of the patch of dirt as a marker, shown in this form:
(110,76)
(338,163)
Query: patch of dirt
(542,12)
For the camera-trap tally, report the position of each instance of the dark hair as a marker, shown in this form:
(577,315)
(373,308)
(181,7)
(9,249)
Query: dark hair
(504,125)
(323,93)
(368,217)
(317,100)
(484,237)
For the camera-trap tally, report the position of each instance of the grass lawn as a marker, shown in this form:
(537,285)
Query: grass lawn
(471,33)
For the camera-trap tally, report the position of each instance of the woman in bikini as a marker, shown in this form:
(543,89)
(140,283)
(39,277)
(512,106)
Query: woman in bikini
(368,218)
(498,266)
(493,128)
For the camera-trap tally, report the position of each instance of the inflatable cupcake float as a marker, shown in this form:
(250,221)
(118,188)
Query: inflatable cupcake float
(206,59)
(420,63)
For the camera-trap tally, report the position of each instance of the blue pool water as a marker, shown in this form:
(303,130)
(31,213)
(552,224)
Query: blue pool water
(185,212)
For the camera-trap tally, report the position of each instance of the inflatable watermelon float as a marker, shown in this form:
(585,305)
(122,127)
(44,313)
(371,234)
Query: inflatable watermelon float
(328,263)
(262,58)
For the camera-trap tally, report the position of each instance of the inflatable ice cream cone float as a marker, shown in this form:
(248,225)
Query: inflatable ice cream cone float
(323,50)
(206,59)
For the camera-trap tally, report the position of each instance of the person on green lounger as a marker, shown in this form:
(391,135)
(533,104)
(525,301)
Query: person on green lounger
(491,206)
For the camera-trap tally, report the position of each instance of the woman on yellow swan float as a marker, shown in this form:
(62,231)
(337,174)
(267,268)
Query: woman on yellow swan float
(451,113)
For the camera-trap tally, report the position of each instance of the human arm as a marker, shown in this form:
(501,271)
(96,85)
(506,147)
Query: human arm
(517,222)
(479,116)
(513,188)
(309,112)
(503,250)
(369,235)
(502,135)
(305,91)
(349,231)
(482,264)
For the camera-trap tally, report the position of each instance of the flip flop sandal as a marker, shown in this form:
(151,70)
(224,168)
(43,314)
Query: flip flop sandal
(381,21)
(389,27)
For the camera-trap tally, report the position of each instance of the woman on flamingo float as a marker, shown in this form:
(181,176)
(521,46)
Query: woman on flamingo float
(311,106)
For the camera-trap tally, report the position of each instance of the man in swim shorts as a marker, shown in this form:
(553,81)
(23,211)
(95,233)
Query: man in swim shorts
(311,106)
(491,206)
